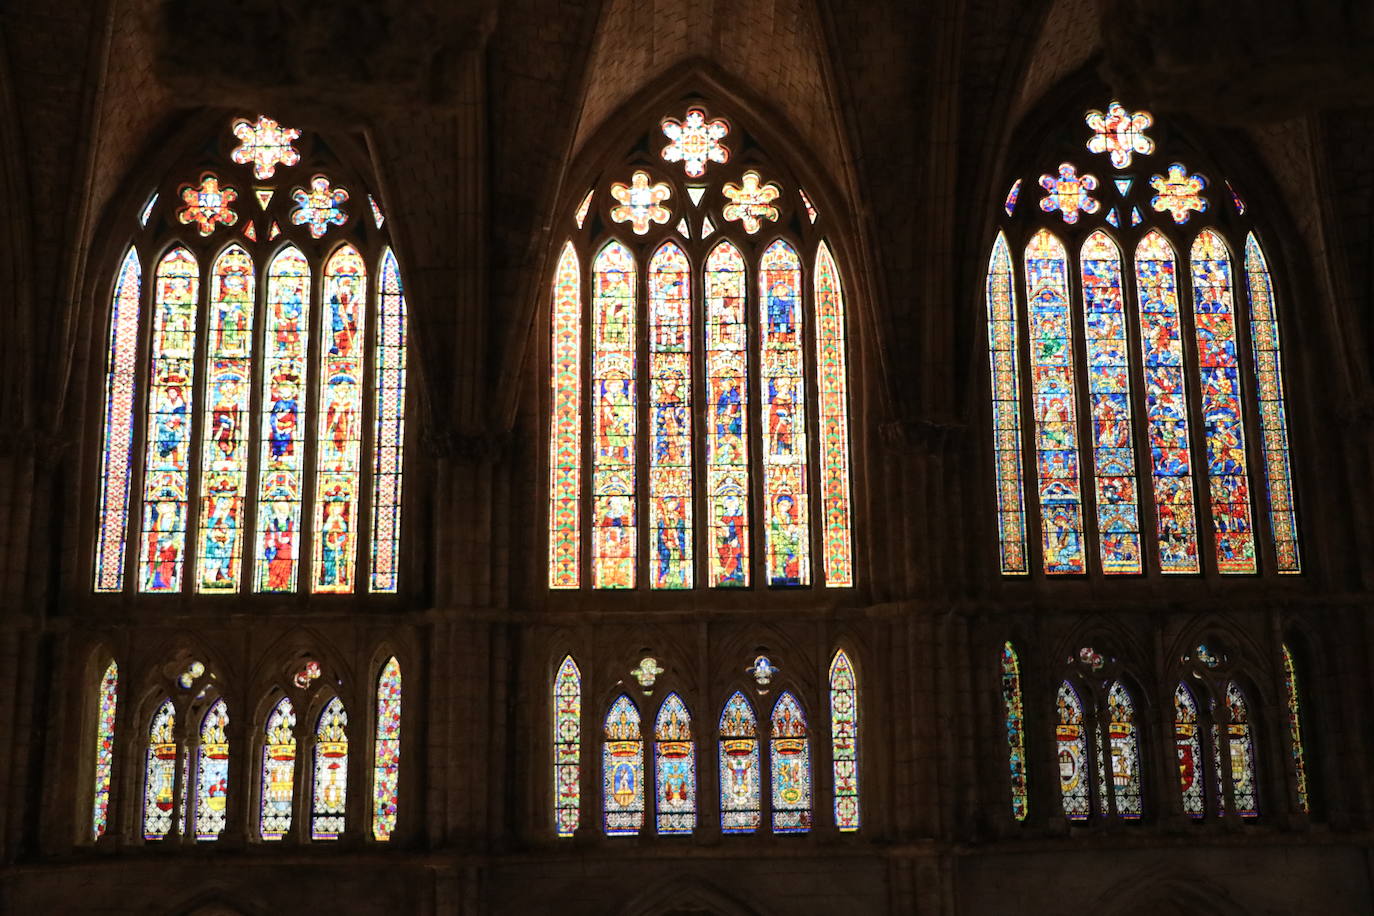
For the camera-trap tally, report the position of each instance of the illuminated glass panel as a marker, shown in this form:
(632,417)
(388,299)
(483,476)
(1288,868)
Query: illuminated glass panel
(331,773)
(1244,783)
(386,752)
(567,747)
(1166,404)
(104,750)
(670,418)
(622,770)
(225,442)
(278,771)
(782,383)
(1215,322)
(1072,741)
(160,773)
(790,755)
(1125,744)
(1055,400)
(565,446)
(212,772)
(727,404)
(675,766)
(1109,400)
(1293,701)
(832,375)
(282,457)
(1273,414)
(844,741)
(614,340)
(740,781)
(166,474)
(1188,747)
(1016,732)
(1006,409)
(117,454)
(389,450)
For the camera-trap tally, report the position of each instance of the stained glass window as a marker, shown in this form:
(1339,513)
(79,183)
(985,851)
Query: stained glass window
(740,780)
(1125,744)
(613,425)
(1188,748)
(386,752)
(670,409)
(790,755)
(727,406)
(278,771)
(1003,340)
(675,768)
(108,698)
(389,456)
(331,773)
(782,384)
(565,445)
(212,772)
(567,747)
(1293,702)
(117,454)
(622,770)
(1072,747)
(1241,745)
(844,741)
(832,374)
(1016,732)
(160,772)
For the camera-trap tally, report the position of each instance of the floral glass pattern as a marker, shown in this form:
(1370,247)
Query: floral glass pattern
(567,747)
(386,752)
(1120,133)
(640,203)
(1179,194)
(675,768)
(118,442)
(1004,359)
(832,373)
(1293,708)
(740,780)
(207,205)
(844,741)
(1069,193)
(108,699)
(751,202)
(264,144)
(622,770)
(1016,732)
(319,207)
(694,142)
(565,435)
(389,366)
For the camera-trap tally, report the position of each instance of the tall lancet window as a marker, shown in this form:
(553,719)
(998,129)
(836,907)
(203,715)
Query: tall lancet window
(1148,412)
(253,421)
(699,374)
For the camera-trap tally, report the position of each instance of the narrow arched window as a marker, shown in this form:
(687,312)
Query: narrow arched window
(331,773)
(386,752)
(1241,749)
(790,754)
(1125,747)
(1188,749)
(567,747)
(1293,704)
(675,768)
(278,789)
(259,303)
(212,772)
(622,770)
(1072,749)
(160,772)
(107,699)
(844,741)
(1016,732)
(740,781)
(731,446)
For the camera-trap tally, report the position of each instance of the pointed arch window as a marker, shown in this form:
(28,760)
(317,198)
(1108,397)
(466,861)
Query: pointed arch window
(331,773)
(622,770)
(1240,746)
(278,778)
(107,698)
(707,480)
(790,754)
(1016,732)
(1293,706)
(1123,736)
(740,779)
(1072,749)
(1188,748)
(160,772)
(386,752)
(212,772)
(1173,281)
(675,768)
(844,741)
(567,747)
(259,306)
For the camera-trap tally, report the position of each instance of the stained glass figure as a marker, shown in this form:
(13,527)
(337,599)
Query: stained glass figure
(160,773)
(378,217)
(1119,133)
(1215,323)
(285,372)
(727,406)
(1068,192)
(567,747)
(782,384)
(751,202)
(1055,404)
(640,203)
(331,773)
(389,392)
(675,768)
(1166,404)
(1241,744)
(108,698)
(212,773)
(1013,195)
(671,523)
(167,468)
(694,141)
(1293,703)
(338,452)
(811,213)
(1072,741)
(581,215)
(278,771)
(565,427)
(1109,400)
(1016,732)
(264,144)
(386,752)
(622,770)
(832,376)
(118,422)
(225,441)
(1003,340)
(1236,200)
(1125,744)
(1273,414)
(207,204)
(147,210)
(791,758)
(740,781)
(1179,193)
(320,207)
(844,741)
(1188,748)
(614,494)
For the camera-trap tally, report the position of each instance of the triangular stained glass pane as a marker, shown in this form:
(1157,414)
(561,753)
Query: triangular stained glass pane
(707,227)
(1136,218)
(152,202)
(1123,185)
(696,192)
(377,216)
(806,202)
(264,196)
(682,228)
(580,216)
(1113,218)
(249,232)
(274,231)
